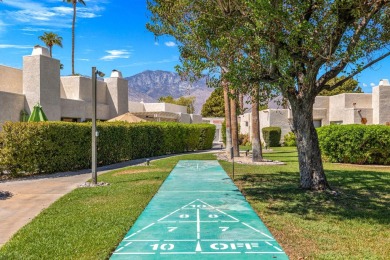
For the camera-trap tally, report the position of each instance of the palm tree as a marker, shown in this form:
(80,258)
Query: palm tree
(51,39)
(73,2)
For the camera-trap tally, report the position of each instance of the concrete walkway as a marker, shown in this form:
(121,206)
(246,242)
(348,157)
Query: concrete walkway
(29,196)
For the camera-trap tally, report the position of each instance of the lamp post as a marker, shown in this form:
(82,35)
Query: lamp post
(94,132)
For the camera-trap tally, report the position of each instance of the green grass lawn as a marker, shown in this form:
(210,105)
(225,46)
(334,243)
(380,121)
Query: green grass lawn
(88,223)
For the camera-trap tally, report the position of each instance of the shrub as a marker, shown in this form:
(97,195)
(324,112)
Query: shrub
(290,139)
(271,136)
(48,147)
(360,144)
(243,139)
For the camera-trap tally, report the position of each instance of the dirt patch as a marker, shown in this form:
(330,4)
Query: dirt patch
(246,160)
(91,185)
(134,171)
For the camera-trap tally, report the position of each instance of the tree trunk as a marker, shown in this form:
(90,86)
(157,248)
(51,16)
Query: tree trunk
(257,153)
(227,117)
(241,99)
(311,170)
(234,123)
(73,29)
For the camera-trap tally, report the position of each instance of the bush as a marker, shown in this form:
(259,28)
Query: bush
(271,136)
(290,139)
(48,147)
(243,139)
(360,144)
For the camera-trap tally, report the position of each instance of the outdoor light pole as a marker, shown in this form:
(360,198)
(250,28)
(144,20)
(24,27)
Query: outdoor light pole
(94,131)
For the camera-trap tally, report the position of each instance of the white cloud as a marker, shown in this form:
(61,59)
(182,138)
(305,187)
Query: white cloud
(36,29)
(372,84)
(83,59)
(156,43)
(170,44)
(116,54)
(49,13)
(364,85)
(14,46)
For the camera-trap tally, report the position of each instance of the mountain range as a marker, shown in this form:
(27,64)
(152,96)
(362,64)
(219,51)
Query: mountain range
(149,86)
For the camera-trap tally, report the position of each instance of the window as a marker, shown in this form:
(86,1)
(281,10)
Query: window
(317,123)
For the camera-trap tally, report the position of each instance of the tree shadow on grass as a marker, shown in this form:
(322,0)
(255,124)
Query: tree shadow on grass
(362,195)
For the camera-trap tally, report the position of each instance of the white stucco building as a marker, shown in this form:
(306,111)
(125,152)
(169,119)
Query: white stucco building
(62,98)
(163,112)
(347,108)
(69,98)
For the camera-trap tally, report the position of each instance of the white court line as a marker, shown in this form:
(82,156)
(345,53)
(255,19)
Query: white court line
(220,240)
(256,230)
(219,210)
(268,243)
(179,240)
(142,240)
(264,252)
(139,253)
(277,248)
(119,249)
(128,243)
(176,211)
(178,253)
(255,240)
(139,231)
(197,224)
(220,252)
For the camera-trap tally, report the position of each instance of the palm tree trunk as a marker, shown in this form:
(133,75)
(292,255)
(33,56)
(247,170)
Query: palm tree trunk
(50,49)
(227,116)
(234,124)
(73,29)
(241,98)
(257,153)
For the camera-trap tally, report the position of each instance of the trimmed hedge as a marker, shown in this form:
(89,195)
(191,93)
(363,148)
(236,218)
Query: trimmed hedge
(48,147)
(290,139)
(271,136)
(360,144)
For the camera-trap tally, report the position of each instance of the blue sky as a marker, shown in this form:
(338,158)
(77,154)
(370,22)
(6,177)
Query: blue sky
(109,35)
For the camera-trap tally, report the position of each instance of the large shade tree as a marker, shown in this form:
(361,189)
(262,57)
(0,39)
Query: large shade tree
(206,42)
(310,43)
(302,46)
(74,4)
(50,39)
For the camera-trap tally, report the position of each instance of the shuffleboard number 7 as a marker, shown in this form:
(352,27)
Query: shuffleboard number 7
(171,229)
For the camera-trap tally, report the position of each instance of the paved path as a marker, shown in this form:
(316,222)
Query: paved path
(31,195)
(198,213)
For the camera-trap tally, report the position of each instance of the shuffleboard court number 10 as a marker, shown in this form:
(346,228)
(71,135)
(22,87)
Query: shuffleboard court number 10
(164,247)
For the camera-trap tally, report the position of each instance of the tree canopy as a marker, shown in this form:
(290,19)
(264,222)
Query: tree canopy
(182,101)
(214,105)
(349,86)
(50,39)
(296,46)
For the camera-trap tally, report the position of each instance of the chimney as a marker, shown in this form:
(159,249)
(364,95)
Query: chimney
(384,82)
(39,50)
(116,74)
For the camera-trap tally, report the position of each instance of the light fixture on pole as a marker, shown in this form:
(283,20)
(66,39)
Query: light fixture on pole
(94,132)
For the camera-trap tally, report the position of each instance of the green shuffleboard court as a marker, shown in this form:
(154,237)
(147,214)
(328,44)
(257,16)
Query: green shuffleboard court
(198,213)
